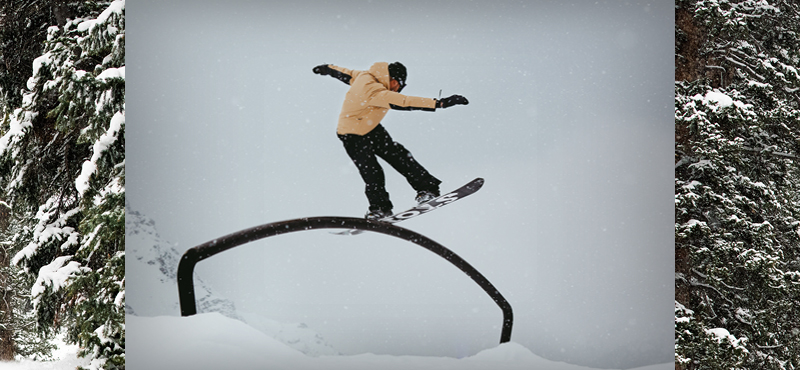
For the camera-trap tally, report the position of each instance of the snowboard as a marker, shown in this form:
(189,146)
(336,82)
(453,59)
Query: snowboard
(426,207)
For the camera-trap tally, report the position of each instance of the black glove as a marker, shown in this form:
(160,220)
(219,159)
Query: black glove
(323,70)
(452,100)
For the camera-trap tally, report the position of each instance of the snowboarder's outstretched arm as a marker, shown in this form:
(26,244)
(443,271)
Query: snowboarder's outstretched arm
(342,74)
(417,103)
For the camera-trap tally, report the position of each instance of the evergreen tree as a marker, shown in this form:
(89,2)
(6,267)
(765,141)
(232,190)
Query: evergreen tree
(62,157)
(23,29)
(737,184)
(20,333)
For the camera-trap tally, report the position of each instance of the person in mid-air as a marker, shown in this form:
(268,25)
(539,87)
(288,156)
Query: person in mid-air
(372,93)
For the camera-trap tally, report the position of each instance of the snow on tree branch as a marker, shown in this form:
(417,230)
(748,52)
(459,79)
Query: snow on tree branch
(55,275)
(105,140)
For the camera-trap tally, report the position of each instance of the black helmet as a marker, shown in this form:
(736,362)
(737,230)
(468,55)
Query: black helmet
(397,71)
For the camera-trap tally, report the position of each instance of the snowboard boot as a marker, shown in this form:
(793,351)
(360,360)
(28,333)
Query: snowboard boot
(425,196)
(377,214)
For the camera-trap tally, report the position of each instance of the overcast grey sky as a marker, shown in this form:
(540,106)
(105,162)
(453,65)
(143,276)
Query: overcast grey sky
(569,122)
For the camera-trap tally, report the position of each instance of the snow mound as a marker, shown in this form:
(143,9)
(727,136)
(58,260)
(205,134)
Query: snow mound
(213,341)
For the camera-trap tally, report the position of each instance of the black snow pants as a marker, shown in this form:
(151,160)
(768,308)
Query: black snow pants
(364,150)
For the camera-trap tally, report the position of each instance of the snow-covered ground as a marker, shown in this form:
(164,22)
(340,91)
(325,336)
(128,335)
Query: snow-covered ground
(213,341)
(65,357)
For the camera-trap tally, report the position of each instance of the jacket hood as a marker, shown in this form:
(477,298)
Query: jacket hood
(380,71)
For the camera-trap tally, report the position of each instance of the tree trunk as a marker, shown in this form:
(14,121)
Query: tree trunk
(6,310)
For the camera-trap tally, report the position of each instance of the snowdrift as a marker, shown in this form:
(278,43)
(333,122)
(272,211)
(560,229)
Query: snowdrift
(213,341)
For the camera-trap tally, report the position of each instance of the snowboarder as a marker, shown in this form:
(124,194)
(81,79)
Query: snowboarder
(372,93)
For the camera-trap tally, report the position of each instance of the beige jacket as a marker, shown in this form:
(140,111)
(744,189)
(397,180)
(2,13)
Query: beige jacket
(369,99)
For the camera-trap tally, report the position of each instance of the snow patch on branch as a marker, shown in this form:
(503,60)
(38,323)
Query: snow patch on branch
(683,315)
(721,334)
(112,73)
(38,63)
(116,7)
(715,100)
(105,141)
(45,230)
(56,274)
(16,129)
(717,97)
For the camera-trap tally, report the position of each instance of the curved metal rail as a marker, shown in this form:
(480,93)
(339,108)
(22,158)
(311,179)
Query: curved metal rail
(192,256)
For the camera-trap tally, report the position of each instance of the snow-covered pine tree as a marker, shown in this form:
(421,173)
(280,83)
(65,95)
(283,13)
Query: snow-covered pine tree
(737,184)
(62,157)
(19,332)
(23,28)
